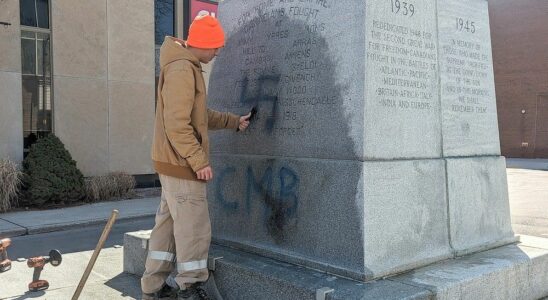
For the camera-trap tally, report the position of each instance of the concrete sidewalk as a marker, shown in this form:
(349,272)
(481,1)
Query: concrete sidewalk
(39,221)
(106,281)
(528,193)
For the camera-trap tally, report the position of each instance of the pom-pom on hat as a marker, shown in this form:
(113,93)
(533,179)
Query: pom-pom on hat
(206,33)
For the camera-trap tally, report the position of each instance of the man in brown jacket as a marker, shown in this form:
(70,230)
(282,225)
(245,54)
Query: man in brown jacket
(182,232)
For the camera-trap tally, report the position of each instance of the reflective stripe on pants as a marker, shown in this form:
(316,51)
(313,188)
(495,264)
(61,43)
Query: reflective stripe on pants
(191,265)
(160,255)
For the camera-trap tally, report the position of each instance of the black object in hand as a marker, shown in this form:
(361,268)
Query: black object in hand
(253,113)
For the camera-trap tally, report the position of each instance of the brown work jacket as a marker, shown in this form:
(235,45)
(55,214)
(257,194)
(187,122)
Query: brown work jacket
(180,145)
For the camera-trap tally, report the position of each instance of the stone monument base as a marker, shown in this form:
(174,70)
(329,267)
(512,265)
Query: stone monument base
(518,271)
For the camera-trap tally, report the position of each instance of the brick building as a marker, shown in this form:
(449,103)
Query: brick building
(519,33)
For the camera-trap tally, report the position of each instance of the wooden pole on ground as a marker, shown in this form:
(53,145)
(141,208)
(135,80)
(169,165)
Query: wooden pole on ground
(93,258)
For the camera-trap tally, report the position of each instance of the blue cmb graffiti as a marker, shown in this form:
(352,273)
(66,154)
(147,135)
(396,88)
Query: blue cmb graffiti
(280,205)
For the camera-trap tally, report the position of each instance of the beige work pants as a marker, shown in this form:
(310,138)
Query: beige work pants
(181,235)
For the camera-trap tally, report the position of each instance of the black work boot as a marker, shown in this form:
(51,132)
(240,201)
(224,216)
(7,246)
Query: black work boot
(165,293)
(193,292)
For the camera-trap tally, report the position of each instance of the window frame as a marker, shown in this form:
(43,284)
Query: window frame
(36,15)
(35,31)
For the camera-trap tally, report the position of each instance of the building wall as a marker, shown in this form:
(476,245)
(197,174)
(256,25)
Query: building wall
(11,109)
(103,66)
(519,31)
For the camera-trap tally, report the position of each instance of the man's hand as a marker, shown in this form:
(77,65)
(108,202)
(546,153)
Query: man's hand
(244,122)
(205,173)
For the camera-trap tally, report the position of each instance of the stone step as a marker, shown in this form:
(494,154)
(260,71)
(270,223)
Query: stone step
(510,272)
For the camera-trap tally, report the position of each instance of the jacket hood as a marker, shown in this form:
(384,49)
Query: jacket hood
(171,51)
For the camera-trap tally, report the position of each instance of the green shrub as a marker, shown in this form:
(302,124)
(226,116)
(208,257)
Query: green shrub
(10,182)
(51,176)
(111,186)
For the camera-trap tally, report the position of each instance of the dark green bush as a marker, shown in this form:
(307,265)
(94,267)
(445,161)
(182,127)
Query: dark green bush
(51,176)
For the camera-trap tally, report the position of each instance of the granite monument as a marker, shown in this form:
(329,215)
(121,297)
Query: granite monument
(375,146)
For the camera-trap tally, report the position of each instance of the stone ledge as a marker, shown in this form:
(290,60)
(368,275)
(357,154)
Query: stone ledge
(135,251)
(509,272)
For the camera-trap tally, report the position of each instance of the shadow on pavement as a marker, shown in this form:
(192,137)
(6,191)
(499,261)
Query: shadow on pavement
(30,295)
(128,285)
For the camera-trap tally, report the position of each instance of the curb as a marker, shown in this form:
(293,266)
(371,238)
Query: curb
(13,233)
(65,226)
(20,223)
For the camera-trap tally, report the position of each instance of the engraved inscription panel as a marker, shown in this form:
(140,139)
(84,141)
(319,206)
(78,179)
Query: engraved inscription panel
(300,63)
(402,102)
(467,84)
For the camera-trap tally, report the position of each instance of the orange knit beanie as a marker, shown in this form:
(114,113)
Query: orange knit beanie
(206,33)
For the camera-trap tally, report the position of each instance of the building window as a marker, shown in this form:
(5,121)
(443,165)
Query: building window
(164,24)
(164,19)
(35,13)
(36,70)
